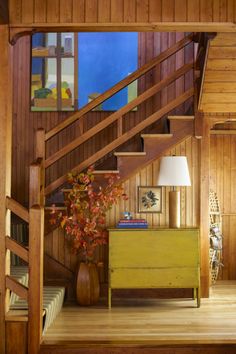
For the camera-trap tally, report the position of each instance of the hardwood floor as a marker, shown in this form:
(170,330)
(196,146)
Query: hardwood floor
(149,323)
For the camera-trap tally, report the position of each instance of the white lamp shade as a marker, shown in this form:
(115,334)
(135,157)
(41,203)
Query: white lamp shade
(174,171)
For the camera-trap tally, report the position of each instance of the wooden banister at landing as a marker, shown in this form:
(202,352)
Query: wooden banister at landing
(17,249)
(118,114)
(120,85)
(120,140)
(16,287)
(17,209)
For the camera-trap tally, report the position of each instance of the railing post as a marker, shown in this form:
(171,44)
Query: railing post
(40,149)
(40,144)
(35,297)
(35,194)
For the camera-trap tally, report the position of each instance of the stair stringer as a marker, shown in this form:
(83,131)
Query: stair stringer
(155,147)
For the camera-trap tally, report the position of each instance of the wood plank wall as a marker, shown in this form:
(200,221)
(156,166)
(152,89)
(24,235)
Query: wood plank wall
(222,181)
(25,123)
(219,85)
(57,247)
(120,11)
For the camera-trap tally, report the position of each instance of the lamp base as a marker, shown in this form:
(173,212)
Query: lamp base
(174,209)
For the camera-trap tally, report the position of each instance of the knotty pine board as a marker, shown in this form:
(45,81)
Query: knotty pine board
(120,11)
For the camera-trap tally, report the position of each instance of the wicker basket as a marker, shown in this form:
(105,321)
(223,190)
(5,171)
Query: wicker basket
(215,256)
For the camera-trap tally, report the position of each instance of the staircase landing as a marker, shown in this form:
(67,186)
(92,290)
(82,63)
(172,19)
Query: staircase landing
(149,326)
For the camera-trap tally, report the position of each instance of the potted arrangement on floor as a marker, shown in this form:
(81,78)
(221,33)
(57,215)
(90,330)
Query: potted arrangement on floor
(84,225)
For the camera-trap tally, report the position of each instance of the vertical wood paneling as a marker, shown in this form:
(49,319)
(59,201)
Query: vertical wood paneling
(40,10)
(223,10)
(66,10)
(168,9)
(171,68)
(216,10)
(15,11)
(220,10)
(130,11)
(231,8)
(226,168)
(180,58)
(142,10)
(222,181)
(117,10)
(193,7)
(164,67)
(206,10)
(233,173)
(157,70)
(180,10)
(155,10)
(53,11)
(91,11)
(149,76)
(104,11)
(27,11)
(78,11)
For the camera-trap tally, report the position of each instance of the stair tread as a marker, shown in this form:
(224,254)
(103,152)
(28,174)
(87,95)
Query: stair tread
(181,117)
(98,172)
(17,315)
(156,135)
(56,207)
(128,153)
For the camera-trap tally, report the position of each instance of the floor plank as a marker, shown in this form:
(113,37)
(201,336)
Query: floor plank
(150,322)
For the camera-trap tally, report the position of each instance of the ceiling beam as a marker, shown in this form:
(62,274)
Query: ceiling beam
(4,13)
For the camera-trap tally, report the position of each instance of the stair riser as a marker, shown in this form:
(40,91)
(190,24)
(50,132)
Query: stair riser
(180,125)
(154,148)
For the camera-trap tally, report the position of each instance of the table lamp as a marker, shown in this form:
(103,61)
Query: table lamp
(174,172)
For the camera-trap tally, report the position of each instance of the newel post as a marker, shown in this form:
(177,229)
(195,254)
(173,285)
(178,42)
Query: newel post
(35,297)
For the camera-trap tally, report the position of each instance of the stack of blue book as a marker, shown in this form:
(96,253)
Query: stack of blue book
(132,224)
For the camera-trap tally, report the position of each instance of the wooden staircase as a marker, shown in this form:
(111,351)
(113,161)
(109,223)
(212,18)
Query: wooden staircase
(154,145)
(116,120)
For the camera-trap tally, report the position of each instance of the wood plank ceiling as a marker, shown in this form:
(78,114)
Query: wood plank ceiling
(121,11)
(219,82)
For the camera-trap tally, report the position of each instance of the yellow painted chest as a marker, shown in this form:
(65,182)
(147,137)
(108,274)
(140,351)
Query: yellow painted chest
(154,258)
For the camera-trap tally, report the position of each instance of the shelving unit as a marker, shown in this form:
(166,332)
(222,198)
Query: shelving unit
(215,236)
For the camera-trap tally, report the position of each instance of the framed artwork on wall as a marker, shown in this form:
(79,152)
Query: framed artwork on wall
(149,199)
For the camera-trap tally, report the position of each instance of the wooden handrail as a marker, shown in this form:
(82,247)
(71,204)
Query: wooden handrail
(36,183)
(120,140)
(120,85)
(116,115)
(17,209)
(16,287)
(17,248)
